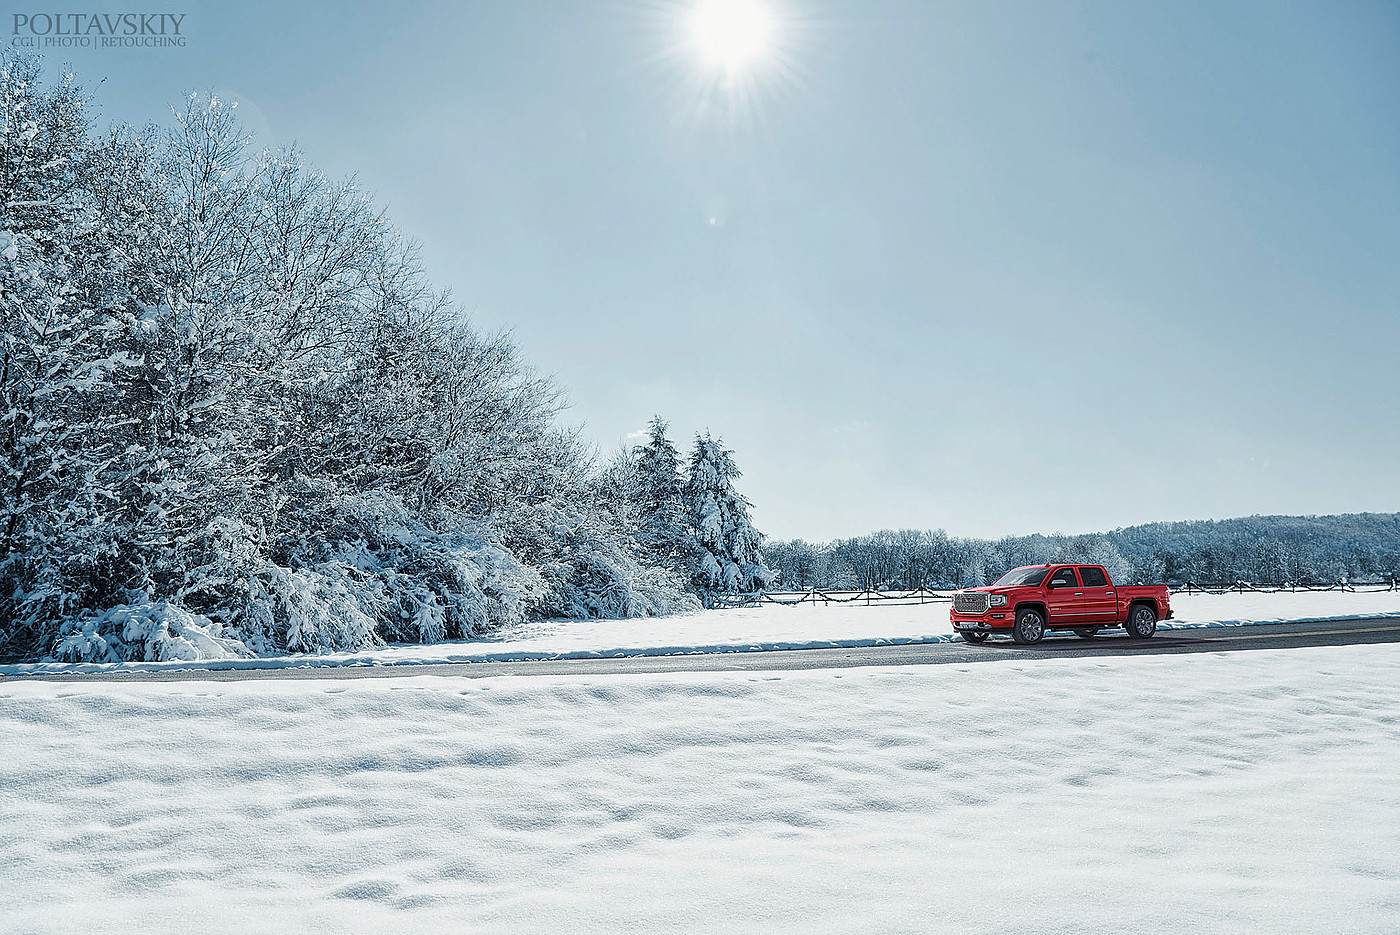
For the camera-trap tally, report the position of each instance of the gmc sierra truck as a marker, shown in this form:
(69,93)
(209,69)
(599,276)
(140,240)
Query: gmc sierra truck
(1028,601)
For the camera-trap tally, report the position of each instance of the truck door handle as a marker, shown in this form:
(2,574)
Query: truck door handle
(1078,593)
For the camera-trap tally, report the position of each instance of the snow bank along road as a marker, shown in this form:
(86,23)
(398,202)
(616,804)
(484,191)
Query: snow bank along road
(1236,792)
(1057,646)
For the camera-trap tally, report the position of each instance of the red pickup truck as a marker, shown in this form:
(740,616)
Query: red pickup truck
(1030,600)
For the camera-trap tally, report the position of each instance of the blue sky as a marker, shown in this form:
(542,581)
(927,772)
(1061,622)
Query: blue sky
(992,267)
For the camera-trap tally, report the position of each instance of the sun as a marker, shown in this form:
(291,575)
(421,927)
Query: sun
(731,35)
(729,61)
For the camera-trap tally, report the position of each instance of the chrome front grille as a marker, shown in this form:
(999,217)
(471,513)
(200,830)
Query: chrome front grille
(971,602)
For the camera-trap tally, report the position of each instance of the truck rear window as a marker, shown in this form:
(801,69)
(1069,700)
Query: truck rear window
(1093,578)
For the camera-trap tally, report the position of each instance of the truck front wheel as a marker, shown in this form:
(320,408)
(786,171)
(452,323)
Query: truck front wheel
(1142,622)
(1029,628)
(975,636)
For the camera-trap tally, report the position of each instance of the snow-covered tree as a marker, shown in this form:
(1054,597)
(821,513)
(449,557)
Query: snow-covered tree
(661,515)
(237,418)
(796,563)
(1096,550)
(728,553)
(73,218)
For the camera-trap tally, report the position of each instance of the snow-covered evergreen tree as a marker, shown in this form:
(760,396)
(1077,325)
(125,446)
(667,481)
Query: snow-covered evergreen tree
(728,557)
(661,529)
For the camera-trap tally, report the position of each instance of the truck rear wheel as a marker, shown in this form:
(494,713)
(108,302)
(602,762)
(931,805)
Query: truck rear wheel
(1142,622)
(1087,633)
(1029,628)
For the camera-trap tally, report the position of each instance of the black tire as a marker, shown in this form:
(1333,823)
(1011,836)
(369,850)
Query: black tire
(1087,633)
(1142,622)
(975,636)
(1029,628)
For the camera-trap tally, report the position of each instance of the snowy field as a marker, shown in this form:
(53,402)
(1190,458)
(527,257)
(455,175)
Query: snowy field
(1239,792)
(775,627)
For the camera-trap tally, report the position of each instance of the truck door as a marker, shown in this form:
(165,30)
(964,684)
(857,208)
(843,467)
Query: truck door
(1100,601)
(1065,597)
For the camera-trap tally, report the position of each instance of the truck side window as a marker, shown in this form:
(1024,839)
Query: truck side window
(1093,578)
(1064,578)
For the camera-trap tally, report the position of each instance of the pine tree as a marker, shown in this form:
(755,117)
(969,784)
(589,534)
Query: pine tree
(661,530)
(727,554)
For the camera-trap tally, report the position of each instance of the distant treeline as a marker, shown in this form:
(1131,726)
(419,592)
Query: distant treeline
(1257,549)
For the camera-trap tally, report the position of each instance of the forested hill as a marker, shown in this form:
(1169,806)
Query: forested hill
(1270,549)
(1257,549)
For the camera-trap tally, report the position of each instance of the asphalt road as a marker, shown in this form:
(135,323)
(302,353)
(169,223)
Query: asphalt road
(1213,640)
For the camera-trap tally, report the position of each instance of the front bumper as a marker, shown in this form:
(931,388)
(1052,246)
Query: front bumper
(992,620)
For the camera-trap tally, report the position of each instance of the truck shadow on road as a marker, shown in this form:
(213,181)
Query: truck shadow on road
(1110,643)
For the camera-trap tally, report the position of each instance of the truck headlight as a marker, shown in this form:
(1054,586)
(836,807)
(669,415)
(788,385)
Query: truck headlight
(998,600)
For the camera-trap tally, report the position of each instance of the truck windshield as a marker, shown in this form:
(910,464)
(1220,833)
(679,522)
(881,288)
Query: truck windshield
(1020,577)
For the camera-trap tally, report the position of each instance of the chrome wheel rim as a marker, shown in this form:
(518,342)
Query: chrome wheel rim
(1146,623)
(1034,628)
